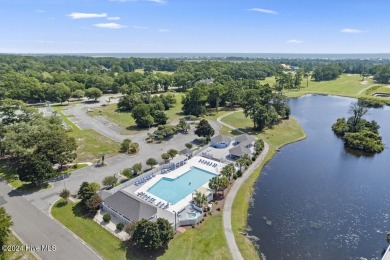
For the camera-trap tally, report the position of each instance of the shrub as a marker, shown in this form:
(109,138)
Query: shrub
(65,194)
(75,166)
(110,181)
(120,226)
(106,218)
(253,158)
(193,226)
(239,173)
(127,172)
(125,145)
(218,209)
(92,205)
(95,186)
(189,145)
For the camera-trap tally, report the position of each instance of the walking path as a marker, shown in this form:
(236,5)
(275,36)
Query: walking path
(361,91)
(227,210)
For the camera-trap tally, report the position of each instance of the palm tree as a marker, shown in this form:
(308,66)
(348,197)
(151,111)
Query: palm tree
(228,171)
(102,156)
(200,199)
(214,184)
(307,74)
(223,184)
(244,161)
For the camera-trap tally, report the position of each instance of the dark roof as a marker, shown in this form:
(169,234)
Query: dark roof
(244,137)
(221,139)
(129,207)
(239,151)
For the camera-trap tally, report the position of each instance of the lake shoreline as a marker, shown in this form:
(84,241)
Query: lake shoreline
(246,191)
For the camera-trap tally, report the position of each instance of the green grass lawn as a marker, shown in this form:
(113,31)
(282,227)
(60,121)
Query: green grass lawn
(126,121)
(8,173)
(383,89)
(346,85)
(106,244)
(205,242)
(90,143)
(286,132)
(71,169)
(13,240)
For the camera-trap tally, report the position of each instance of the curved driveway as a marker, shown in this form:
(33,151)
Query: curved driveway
(227,209)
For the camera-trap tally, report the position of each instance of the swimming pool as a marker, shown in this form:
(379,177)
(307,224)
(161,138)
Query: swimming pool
(174,190)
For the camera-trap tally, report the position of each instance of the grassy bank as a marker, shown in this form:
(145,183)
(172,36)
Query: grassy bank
(287,132)
(205,242)
(90,143)
(13,255)
(106,244)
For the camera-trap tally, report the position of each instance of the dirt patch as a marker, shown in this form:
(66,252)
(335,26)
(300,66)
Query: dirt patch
(364,82)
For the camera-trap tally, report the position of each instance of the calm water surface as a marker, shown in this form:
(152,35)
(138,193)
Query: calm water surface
(315,200)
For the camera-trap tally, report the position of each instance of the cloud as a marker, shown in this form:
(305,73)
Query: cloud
(349,30)
(294,41)
(39,11)
(164,30)
(110,25)
(116,18)
(260,10)
(138,27)
(86,15)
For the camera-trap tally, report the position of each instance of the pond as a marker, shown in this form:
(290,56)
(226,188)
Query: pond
(315,199)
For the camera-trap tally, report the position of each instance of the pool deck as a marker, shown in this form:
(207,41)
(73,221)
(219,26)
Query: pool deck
(193,162)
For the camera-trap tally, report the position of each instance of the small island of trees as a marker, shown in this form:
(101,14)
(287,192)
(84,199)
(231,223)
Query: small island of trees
(357,132)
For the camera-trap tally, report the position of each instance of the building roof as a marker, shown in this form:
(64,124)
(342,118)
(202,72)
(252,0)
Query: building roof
(239,151)
(207,81)
(129,207)
(221,139)
(244,137)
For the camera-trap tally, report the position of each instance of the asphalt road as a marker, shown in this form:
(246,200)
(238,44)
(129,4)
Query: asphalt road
(38,229)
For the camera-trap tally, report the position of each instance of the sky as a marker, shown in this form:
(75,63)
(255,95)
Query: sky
(194,26)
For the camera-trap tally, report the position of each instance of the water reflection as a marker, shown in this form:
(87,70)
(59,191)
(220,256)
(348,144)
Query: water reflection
(315,199)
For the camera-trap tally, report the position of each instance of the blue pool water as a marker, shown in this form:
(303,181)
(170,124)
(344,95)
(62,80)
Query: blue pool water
(174,190)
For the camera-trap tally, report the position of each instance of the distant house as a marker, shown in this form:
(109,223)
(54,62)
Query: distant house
(220,141)
(238,151)
(244,140)
(206,81)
